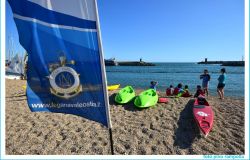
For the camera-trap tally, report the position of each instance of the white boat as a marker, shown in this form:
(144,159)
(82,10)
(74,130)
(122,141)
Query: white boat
(15,68)
(12,77)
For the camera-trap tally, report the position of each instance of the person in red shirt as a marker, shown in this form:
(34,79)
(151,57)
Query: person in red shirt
(199,91)
(170,90)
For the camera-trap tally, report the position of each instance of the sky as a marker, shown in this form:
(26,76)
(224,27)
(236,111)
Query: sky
(165,30)
(12,43)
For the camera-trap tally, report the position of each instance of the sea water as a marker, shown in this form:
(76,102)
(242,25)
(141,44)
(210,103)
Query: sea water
(173,73)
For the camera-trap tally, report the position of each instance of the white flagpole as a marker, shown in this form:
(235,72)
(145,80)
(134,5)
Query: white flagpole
(104,79)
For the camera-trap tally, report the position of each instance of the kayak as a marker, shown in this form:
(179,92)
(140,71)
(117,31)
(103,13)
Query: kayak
(203,115)
(24,87)
(146,99)
(125,95)
(113,87)
(162,100)
(178,95)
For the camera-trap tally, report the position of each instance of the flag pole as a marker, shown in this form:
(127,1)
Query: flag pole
(104,79)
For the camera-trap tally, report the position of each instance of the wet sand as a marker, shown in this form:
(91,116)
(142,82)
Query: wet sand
(166,129)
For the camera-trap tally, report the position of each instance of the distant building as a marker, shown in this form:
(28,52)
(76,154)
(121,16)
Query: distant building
(205,60)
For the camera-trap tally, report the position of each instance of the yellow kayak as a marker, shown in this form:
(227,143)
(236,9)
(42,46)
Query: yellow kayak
(24,87)
(113,87)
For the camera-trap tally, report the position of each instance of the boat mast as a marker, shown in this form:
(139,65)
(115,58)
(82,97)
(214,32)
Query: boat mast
(11,48)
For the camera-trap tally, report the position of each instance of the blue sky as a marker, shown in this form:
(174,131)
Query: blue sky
(11,32)
(167,30)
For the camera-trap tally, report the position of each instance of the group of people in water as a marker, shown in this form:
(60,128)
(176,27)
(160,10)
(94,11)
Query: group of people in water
(179,91)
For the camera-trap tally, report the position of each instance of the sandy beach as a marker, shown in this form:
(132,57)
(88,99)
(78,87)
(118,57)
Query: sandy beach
(166,129)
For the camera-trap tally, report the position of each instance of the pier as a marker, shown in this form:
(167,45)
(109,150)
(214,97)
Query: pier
(224,63)
(113,62)
(135,63)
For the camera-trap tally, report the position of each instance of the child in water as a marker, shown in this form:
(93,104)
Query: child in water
(153,85)
(205,81)
(170,90)
(198,91)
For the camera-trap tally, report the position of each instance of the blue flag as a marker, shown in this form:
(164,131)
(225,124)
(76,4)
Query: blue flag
(65,64)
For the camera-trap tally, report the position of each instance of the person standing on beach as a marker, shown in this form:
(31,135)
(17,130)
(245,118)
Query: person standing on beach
(205,81)
(221,84)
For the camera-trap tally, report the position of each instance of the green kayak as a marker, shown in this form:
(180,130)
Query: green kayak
(146,99)
(125,95)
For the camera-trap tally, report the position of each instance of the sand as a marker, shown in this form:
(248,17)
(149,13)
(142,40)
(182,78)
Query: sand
(166,129)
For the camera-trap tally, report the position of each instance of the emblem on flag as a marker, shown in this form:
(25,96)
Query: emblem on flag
(64,80)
